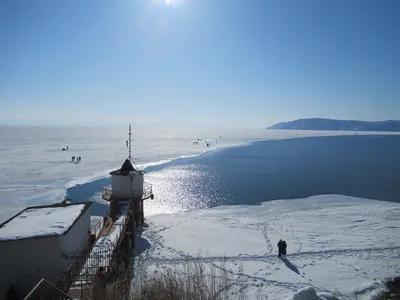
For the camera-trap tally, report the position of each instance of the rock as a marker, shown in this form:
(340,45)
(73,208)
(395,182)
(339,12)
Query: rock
(307,293)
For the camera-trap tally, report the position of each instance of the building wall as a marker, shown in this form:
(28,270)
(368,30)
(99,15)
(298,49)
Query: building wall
(74,239)
(25,262)
(122,186)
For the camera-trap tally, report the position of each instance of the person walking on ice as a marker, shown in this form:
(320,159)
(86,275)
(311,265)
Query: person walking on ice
(283,251)
(280,248)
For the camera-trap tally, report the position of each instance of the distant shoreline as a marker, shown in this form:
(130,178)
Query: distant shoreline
(338,125)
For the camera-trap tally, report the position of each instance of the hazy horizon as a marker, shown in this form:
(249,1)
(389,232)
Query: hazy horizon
(180,63)
(176,127)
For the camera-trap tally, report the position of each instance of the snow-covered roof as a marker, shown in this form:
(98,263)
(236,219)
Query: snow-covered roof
(42,221)
(125,169)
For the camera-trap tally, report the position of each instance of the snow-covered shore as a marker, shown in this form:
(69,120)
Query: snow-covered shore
(339,246)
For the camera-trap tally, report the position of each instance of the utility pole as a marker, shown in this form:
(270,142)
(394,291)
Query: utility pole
(130,142)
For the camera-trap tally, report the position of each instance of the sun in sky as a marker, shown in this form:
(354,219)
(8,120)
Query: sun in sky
(167,2)
(173,2)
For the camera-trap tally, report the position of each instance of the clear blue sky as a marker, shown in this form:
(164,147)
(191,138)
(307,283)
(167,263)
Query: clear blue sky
(198,62)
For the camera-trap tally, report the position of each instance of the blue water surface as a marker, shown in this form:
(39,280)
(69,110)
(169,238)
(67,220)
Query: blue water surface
(360,166)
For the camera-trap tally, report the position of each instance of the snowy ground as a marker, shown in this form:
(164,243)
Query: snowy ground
(337,245)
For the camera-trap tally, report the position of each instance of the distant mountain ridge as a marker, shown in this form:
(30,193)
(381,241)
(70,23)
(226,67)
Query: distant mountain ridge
(332,124)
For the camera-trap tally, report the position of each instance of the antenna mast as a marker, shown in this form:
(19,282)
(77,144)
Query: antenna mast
(130,142)
(130,147)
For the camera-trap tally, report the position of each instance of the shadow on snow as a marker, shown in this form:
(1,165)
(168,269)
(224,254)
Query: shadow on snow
(290,266)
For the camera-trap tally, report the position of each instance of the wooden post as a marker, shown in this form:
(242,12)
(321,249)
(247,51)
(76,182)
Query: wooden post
(137,213)
(127,248)
(42,292)
(133,225)
(141,211)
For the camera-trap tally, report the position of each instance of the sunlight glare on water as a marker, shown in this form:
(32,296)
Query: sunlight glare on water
(185,188)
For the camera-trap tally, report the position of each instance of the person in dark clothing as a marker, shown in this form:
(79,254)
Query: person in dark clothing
(280,248)
(92,237)
(283,251)
(100,284)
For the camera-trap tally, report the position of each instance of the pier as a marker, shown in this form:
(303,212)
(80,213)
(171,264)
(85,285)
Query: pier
(103,266)
(111,249)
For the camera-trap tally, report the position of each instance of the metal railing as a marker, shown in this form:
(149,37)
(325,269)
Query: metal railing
(79,257)
(107,192)
(147,190)
(102,256)
(115,289)
(45,290)
(85,264)
(113,257)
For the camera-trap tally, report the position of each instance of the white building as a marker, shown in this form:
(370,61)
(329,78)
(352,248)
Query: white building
(127,182)
(37,242)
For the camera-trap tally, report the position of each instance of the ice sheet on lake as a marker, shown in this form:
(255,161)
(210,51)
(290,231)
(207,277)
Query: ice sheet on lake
(337,245)
(37,222)
(47,170)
